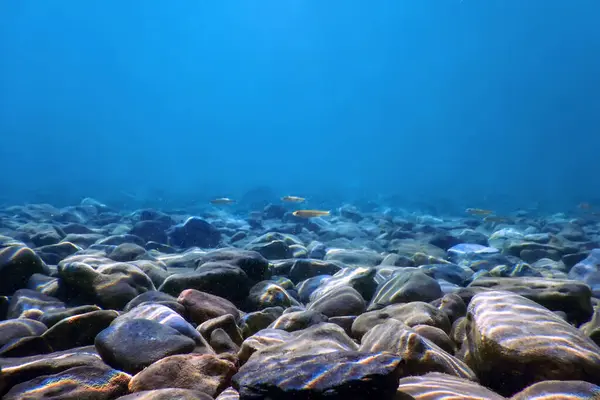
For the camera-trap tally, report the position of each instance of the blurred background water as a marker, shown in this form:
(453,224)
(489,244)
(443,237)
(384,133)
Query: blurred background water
(468,103)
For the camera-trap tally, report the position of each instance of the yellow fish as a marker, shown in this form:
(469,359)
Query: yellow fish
(478,211)
(310,213)
(293,199)
(222,200)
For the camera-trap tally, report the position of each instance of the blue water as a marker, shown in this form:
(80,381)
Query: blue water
(474,103)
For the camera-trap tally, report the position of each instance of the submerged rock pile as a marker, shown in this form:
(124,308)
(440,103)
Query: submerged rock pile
(100,304)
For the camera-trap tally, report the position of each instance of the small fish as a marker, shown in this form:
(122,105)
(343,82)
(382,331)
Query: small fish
(222,200)
(293,199)
(478,211)
(584,206)
(310,213)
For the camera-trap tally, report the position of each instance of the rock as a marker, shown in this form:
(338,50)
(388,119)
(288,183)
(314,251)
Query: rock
(273,250)
(342,375)
(408,248)
(217,278)
(25,346)
(340,301)
(135,344)
(559,390)
(268,294)
(203,306)
(187,259)
(110,285)
(516,270)
(229,394)
(449,272)
(85,382)
(194,232)
(83,240)
(45,235)
(436,385)
(274,211)
(588,271)
(437,336)
(502,237)
(360,278)
(453,305)
(76,228)
(151,230)
(572,297)
(411,314)
(55,253)
(363,258)
(116,240)
(299,251)
(19,328)
(255,321)
(167,394)
(350,212)
(155,270)
(226,323)
(513,342)
(465,251)
(261,340)
(156,297)
(292,321)
(571,259)
(317,250)
(592,328)
(406,287)
(126,252)
(239,235)
(252,263)
(204,373)
(165,316)
(420,354)
(397,261)
(17,263)
(52,317)
(302,269)
(307,287)
(50,286)
(22,369)
(78,330)
(26,300)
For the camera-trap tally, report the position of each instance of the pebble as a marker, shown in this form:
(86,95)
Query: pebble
(511,336)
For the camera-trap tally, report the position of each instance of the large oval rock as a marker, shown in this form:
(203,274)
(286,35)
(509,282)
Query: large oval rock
(421,355)
(21,369)
(341,375)
(203,306)
(560,390)
(194,232)
(341,301)
(406,287)
(135,344)
(110,285)
(572,297)
(78,330)
(436,385)
(17,263)
(84,382)
(204,373)
(411,314)
(217,278)
(251,262)
(513,342)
